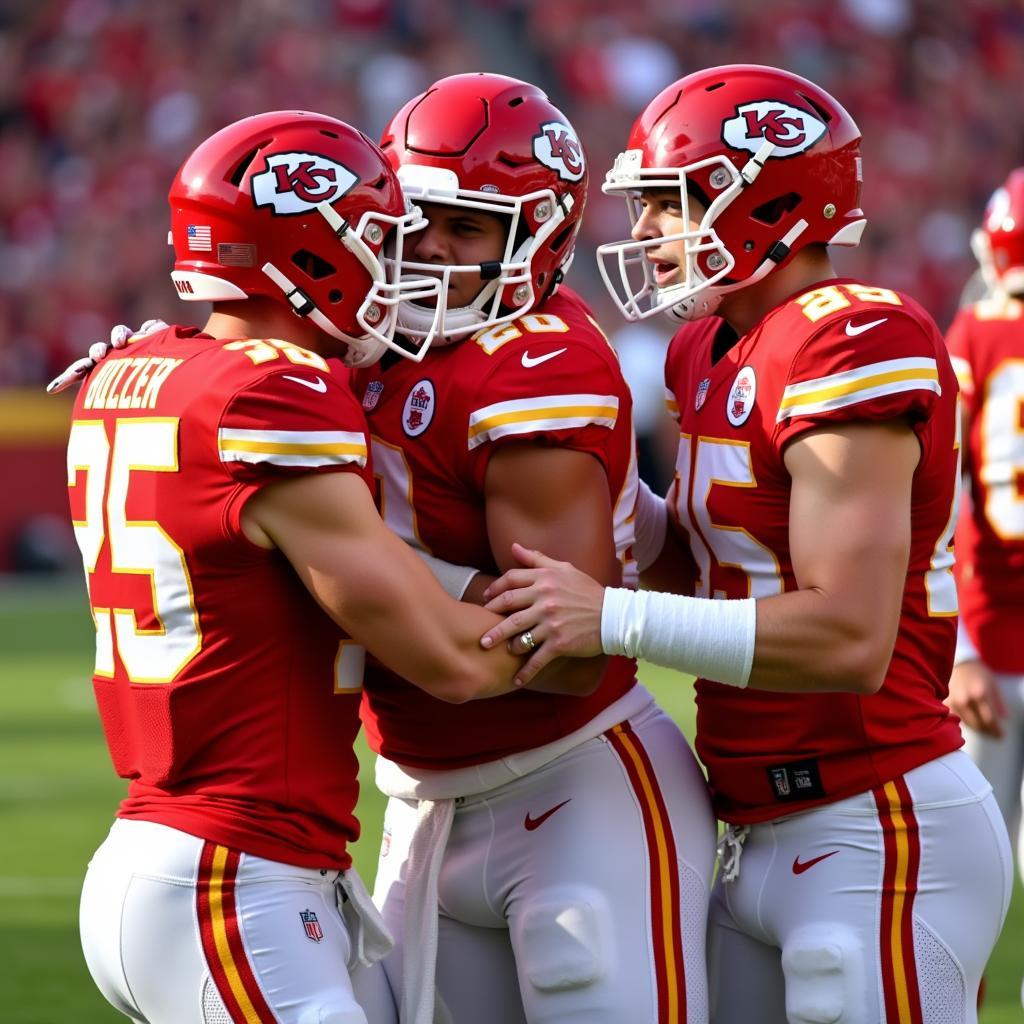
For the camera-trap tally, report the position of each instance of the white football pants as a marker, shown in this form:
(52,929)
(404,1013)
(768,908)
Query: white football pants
(577,892)
(1002,761)
(177,930)
(879,909)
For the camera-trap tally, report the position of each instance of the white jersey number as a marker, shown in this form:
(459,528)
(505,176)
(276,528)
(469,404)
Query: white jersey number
(1002,450)
(714,461)
(136,547)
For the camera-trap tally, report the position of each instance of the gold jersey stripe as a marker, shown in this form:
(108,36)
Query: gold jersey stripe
(880,380)
(544,417)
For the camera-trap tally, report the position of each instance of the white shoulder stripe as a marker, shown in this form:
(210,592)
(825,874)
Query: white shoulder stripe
(963,371)
(859,385)
(548,412)
(292,447)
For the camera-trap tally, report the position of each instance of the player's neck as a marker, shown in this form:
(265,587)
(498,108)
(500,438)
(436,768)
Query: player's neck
(261,318)
(745,308)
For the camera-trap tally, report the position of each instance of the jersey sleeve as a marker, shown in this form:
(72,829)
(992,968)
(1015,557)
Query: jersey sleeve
(286,424)
(673,366)
(889,371)
(572,399)
(958,344)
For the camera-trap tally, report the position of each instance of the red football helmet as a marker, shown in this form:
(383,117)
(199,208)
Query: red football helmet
(773,160)
(999,242)
(296,207)
(491,143)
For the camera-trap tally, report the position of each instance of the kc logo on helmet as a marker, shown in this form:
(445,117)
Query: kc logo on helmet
(558,147)
(791,129)
(297,182)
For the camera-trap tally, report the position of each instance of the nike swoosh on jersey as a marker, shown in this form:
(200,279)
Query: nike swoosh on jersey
(799,867)
(318,385)
(529,360)
(852,332)
(531,823)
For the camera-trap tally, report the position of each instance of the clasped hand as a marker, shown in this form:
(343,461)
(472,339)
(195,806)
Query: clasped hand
(555,602)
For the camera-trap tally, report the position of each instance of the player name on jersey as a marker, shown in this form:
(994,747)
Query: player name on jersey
(132,383)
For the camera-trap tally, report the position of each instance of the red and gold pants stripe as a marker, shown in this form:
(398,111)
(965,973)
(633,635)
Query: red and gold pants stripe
(665,909)
(222,939)
(899,887)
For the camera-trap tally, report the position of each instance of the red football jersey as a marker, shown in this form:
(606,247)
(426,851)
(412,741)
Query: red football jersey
(838,353)
(986,342)
(549,377)
(228,697)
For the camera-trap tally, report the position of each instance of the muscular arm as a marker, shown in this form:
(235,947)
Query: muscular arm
(849,536)
(556,500)
(850,543)
(375,588)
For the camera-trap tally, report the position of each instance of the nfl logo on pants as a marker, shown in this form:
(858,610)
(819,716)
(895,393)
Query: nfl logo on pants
(312,925)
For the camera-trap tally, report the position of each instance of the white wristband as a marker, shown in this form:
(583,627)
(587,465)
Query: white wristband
(454,579)
(709,639)
(965,649)
(650,524)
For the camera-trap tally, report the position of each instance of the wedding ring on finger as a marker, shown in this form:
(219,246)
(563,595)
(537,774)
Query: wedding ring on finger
(526,639)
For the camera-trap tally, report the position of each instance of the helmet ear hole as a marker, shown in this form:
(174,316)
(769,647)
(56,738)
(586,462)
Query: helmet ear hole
(313,266)
(561,237)
(775,209)
(335,296)
(236,176)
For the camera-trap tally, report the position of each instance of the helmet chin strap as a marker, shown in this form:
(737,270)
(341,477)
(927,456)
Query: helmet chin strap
(415,320)
(361,351)
(706,302)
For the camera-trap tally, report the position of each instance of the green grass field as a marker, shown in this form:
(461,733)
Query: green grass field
(58,795)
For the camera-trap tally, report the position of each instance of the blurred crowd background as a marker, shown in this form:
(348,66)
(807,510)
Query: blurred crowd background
(100,100)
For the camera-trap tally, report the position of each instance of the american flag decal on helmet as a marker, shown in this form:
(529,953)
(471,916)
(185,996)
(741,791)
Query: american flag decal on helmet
(312,925)
(236,254)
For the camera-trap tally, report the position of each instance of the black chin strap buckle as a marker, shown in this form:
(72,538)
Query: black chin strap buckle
(301,303)
(490,270)
(778,252)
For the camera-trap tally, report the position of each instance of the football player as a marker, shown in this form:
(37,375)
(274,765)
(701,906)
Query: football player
(220,488)
(566,841)
(986,342)
(815,500)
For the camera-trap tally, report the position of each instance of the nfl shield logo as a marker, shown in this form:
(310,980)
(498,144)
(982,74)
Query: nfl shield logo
(780,779)
(373,393)
(702,393)
(312,925)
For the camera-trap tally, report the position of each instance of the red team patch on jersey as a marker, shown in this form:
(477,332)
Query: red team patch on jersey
(742,396)
(419,408)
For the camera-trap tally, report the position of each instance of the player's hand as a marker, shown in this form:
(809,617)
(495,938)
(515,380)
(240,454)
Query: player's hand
(557,604)
(98,351)
(975,696)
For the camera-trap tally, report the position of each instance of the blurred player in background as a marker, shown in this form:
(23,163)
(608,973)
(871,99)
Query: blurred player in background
(220,490)
(567,841)
(986,342)
(816,493)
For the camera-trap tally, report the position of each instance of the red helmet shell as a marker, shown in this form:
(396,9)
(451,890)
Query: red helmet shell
(1003,228)
(248,196)
(812,174)
(501,137)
